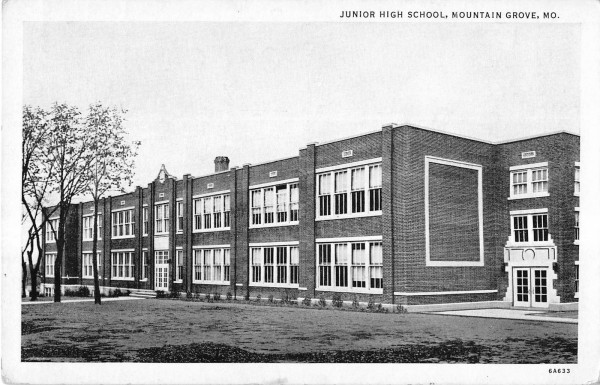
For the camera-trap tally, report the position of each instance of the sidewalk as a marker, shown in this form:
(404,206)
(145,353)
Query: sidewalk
(516,314)
(82,300)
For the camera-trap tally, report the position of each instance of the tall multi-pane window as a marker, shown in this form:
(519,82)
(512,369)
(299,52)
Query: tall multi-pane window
(179,264)
(122,223)
(122,265)
(87,265)
(576,225)
(144,272)
(145,220)
(350,266)
(349,192)
(212,213)
(375,187)
(530,227)
(274,205)
(577,182)
(212,265)
(51,230)
(179,216)
(49,261)
(274,265)
(161,218)
(529,181)
(88,224)
(576,279)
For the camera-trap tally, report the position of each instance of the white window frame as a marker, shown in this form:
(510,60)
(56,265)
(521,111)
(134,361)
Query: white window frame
(277,265)
(87,265)
(115,265)
(144,264)
(179,263)
(49,262)
(278,207)
(162,217)
(180,217)
(528,170)
(345,246)
(460,164)
(530,229)
(208,200)
(577,182)
(577,283)
(348,170)
(126,225)
(199,265)
(145,221)
(88,223)
(50,233)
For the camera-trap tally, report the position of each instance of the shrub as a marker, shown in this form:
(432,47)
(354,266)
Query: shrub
(247,297)
(307,301)
(83,291)
(381,309)
(270,298)
(371,303)
(258,297)
(197,296)
(189,295)
(159,294)
(207,297)
(70,293)
(322,302)
(228,296)
(355,303)
(336,300)
(118,292)
(175,294)
(401,309)
(127,292)
(217,296)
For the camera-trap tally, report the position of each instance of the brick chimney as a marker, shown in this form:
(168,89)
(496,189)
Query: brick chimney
(221,163)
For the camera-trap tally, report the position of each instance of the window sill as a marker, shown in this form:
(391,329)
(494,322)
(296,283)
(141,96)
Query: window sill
(123,237)
(530,244)
(350,290)
(512,198)
(212,230)
(144,280)
(576,295)
(273,225)
(286,285)
(90,277)
(349,216)
(220,283)
(163,234)
(90,240)
(178,281)
(576,194)
(179,232)
(576,242)
(122,279)
(144,235)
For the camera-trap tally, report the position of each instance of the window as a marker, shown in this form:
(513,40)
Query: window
(529,181)
(274,205)
(576,226)
(349,192)
(212,212)
(179,217)
(161,218)
(145,220)
(274,265)
(122,265)
(577,183)
(144,266)
(530,227)
(88,224)
(350,266)
(122,223)
(212,265)
(51,230)
(179,271)
(576,280)
(87,265)
(49,265)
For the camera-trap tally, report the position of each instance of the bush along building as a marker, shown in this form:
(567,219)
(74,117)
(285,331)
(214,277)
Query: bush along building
(402,215)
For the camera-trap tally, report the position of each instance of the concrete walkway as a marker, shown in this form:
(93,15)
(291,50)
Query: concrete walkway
(82,300)
(516,314)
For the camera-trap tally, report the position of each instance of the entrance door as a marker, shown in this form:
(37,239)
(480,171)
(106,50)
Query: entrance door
(161,270)
(530,287)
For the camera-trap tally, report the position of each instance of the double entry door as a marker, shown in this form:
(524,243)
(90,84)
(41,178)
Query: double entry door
(161,270)
(530,286)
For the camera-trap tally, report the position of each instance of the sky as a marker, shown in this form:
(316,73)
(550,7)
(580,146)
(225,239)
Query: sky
(257,91)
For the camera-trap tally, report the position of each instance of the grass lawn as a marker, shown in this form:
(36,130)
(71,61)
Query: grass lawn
(162,330)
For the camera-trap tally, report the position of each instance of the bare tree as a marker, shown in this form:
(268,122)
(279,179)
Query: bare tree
(37,182)
(111,167)
(67,154)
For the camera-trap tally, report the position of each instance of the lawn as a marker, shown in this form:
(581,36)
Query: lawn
(163,330)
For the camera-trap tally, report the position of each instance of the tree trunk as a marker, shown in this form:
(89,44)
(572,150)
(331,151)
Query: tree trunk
(60,243)
(97,298)
(23,278)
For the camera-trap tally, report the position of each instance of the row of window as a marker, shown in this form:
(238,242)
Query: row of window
(533,227)
(533,182)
